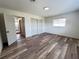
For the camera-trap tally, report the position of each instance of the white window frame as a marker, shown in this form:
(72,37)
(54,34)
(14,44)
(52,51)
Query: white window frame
(61,22)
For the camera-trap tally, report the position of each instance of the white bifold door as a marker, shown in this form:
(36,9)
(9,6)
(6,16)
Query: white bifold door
(36,26)
(40,26)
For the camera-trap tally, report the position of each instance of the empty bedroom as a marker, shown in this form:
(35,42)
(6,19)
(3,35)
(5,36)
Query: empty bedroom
(39,29)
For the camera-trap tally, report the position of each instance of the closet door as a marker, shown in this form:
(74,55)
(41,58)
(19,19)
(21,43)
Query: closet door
(10,29)
(34,26)
(40,26)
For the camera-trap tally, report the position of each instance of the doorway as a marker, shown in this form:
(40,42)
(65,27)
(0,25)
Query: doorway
(20,27)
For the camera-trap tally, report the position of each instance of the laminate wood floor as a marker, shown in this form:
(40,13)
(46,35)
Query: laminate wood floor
(43,46)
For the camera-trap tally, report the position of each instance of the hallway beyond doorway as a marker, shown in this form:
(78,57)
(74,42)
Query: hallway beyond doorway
(20,27)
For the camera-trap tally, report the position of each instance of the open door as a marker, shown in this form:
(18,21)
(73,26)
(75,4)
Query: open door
(10,29)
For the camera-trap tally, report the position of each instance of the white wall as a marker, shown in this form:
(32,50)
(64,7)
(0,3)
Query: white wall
(0,43)
(18,13)
(72,25)
(27,26)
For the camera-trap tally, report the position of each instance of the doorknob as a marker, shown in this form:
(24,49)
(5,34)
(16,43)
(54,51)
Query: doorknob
(7,31)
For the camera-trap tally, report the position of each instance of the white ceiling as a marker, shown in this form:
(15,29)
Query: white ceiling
(36,8)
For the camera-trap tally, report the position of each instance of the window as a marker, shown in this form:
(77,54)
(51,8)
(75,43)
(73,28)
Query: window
(59,22)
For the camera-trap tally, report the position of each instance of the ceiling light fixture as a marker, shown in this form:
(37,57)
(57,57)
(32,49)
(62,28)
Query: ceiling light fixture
(46,8)
(32,0)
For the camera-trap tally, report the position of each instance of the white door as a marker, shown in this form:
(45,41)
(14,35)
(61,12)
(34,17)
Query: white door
(0,43)
(34,26)
(40,26)
(10,28)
